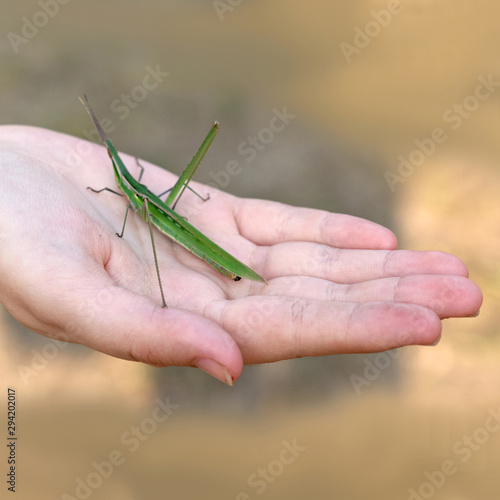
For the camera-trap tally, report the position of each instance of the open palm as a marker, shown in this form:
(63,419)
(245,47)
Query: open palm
(336,284)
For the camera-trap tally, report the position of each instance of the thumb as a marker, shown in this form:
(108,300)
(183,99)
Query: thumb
(133,327)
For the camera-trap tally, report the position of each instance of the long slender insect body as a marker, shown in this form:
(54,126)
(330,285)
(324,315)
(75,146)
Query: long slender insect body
(153,210)
(177,228)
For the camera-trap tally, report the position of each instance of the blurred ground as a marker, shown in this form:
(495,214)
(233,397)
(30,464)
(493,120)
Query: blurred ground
(418,423)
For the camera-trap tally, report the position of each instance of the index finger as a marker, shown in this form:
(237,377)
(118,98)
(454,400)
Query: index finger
(268,223)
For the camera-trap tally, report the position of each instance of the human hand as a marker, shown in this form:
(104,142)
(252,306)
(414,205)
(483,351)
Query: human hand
(336,284)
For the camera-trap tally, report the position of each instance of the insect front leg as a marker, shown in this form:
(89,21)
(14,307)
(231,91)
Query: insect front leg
(103,189)
(119,194)
(124,222)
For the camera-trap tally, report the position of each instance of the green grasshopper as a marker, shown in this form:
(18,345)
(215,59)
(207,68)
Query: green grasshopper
(162,215)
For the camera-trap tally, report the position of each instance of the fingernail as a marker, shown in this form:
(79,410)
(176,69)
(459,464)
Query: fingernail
(474,315)
(215,369)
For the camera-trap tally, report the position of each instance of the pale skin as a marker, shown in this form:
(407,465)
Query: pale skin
(336,283)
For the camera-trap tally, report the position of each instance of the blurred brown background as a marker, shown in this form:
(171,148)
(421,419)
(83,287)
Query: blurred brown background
(368,82)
